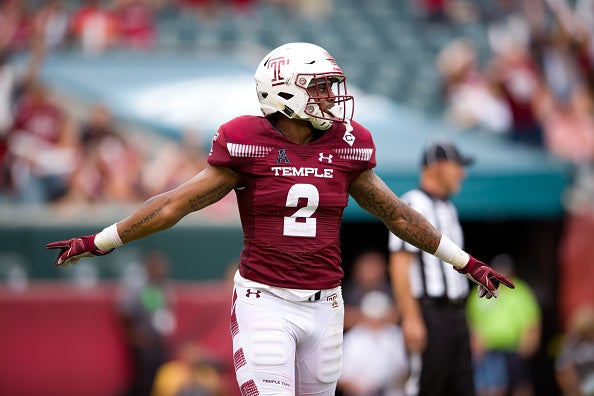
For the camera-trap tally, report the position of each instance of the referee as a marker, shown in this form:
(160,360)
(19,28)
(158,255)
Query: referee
(430,294)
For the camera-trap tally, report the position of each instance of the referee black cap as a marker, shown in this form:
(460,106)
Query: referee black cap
(444,150)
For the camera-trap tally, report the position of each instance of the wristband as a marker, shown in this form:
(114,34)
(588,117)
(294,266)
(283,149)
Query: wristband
(451,253)
(108,238)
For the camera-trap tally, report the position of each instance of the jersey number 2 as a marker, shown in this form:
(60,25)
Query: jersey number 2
(306,227)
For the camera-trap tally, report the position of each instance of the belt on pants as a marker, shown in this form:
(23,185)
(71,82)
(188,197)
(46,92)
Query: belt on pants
(316,296)
(325,293)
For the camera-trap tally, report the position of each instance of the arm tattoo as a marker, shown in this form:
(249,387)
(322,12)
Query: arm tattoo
(126,232)
(164,210)
(372,194)
(200,201)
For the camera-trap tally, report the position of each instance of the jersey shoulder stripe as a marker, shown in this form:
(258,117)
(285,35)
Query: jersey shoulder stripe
(354,154)
(360,147)
(247,150)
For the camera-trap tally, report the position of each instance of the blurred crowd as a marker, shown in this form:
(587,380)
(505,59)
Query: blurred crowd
(536,87)
(52,154)
(96,25)
(49,154)
(534,83)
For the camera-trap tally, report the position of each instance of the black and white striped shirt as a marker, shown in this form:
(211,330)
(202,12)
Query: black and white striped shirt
(429,276)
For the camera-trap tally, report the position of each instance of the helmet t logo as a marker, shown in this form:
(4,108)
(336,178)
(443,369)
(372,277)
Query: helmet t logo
(276,63)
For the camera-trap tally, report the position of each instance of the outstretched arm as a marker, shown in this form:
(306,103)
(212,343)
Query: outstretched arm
(373,195)
(165,210)
(158,213)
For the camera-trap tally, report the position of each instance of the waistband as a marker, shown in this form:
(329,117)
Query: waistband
(324,294)
(288,294)
(316,296)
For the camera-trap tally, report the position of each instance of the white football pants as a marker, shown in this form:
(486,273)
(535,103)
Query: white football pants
(286,348)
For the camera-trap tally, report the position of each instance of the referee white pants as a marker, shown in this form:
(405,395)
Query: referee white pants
(286,348)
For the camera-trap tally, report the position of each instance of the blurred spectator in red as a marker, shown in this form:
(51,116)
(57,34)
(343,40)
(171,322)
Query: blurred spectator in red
(42,146)
(446,11)
(584,11)
(471,99)
(432,10)
(86,182)
(109,167)
(16,27)
(518,77)
(136,21)
(569,126)
(94,27)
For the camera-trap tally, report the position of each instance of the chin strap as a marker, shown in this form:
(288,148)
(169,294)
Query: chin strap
(349,127)
(320,124)
(317,123)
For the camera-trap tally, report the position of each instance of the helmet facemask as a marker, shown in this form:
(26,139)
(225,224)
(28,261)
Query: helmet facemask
(328,100)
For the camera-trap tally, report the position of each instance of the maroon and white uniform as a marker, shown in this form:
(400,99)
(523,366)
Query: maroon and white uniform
(292,198)
(288,313)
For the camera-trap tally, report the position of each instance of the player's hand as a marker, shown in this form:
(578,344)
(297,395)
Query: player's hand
(71,250)
(484,276)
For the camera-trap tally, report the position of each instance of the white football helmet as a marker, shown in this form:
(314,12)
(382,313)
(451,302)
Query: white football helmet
(302,80)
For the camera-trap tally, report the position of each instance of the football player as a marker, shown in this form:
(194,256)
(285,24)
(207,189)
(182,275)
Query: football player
(292,170)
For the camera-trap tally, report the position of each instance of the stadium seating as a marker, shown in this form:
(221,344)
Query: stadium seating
(383,46)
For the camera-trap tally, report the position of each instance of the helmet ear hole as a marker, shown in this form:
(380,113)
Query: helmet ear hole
(285,95)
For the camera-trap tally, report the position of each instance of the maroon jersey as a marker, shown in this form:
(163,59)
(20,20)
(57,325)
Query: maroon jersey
(41,119)
(292,198)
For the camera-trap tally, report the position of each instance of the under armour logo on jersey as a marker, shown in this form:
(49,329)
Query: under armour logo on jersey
(249,292)
(282,157)
(349,138)
(325,157)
